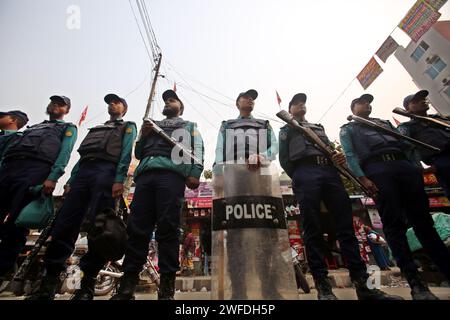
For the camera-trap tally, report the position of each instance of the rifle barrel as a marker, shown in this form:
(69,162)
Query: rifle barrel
(392,133)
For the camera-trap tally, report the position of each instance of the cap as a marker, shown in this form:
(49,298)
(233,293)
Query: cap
(114,97)
(417,96)
(364,98)
(251,92)
(170,94)
(298,97)
(61,99)
(16,113)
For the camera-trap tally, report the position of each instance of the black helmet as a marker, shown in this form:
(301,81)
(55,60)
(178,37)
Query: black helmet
(108,236)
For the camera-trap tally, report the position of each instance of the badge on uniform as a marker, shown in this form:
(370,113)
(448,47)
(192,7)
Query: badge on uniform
(68,133)
(283,135)
(129,130)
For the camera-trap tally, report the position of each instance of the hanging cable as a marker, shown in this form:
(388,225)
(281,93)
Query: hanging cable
(140,32)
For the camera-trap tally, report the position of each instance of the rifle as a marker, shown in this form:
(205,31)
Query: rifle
(441,123)
(392,133)
(328,150)
(31,257)
(172,141)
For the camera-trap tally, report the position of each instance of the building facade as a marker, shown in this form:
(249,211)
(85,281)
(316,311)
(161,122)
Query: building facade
(428,63)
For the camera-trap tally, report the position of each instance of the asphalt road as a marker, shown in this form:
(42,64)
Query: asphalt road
(343,294)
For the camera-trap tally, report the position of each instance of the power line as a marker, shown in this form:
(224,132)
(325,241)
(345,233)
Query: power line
(140,32)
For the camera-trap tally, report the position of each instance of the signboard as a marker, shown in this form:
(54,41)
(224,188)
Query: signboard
(419,19)
(370,72)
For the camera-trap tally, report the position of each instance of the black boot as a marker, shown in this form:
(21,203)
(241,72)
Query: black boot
(87,288)
(47,289)
(364,293)
(127,287)
(166,290)
(323,287)
(419,289)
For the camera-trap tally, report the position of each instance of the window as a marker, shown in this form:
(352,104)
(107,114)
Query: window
(447,92)
(436,68)
(420,50)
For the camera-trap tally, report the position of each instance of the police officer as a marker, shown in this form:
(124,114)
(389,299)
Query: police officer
(385,166)
(39,156)
(315,179)
(234,153)
(10,123)
(160,184)
(97,178)
(430,133)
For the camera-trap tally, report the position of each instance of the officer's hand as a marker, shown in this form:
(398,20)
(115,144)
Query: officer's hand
(192,183)
(66,190)
(255,161)
(147,129)
(339,158)
(117,189)
(369,185)
(49,187)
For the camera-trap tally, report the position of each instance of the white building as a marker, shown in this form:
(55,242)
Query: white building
(428,63)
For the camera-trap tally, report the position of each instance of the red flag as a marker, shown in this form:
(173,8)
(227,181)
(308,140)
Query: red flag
(83,116)
(278,98)
(175,86)
(397,123)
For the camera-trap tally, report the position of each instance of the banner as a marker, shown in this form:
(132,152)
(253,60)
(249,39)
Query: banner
(419,19)
(387,48)
(370,72)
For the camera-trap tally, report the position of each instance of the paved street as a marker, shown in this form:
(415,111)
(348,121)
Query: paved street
(341,293)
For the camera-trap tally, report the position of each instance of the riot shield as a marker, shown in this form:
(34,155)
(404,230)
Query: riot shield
(251,256)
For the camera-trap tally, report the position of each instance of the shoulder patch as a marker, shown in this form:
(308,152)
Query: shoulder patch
(283,135)
(69,133)
(129,130)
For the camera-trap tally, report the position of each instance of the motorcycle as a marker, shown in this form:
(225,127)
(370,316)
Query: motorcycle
(108,278)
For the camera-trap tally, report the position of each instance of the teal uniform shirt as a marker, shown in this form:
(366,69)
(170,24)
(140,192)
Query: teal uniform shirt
(129,136)
(67,144)
(353,160)
(270,153)
(164,163)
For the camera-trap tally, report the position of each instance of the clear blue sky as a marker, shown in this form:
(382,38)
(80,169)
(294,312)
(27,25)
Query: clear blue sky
(316,47)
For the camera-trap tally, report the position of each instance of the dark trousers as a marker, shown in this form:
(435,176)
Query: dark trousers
(16,177)
(442,164)
(158,200)
(313,184)
(402,199)
(90,191)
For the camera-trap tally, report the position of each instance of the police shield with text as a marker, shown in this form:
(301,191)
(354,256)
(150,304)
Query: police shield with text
(250,247)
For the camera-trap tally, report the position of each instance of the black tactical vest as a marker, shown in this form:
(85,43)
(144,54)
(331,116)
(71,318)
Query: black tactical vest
(432,134)
(156,146)
(6,139)
(300,147)
(41,141)
(104,142)
(246,138)
(369,142)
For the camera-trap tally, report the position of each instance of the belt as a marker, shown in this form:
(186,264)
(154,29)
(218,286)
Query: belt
(386,157)
(314,160)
